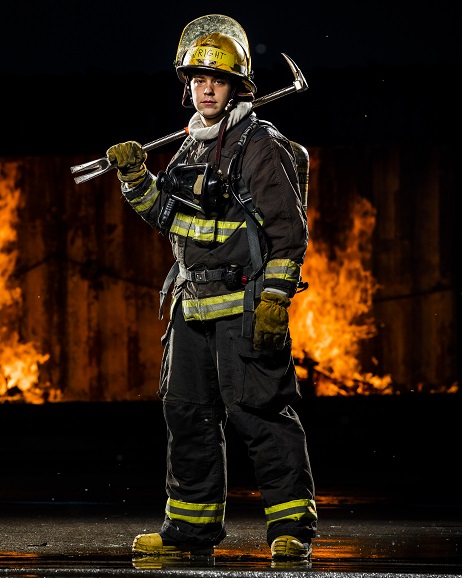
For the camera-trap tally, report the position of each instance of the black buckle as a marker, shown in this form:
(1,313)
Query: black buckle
(199,276)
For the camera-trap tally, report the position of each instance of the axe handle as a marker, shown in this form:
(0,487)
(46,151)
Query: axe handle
(103,165)
(274,95)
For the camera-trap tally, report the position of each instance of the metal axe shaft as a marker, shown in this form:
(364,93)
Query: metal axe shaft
(103,165)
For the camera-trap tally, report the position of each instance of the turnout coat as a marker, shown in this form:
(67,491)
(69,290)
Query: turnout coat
(214,238)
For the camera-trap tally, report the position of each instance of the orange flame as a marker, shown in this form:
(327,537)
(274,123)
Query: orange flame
(329,320)
(19,362)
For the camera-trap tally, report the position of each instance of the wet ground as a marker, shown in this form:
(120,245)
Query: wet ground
(79,482)
(354,537)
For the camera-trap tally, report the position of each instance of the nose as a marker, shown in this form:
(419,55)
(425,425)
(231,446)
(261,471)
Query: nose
(208,89)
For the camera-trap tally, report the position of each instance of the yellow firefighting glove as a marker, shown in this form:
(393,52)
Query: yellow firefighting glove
(271,321)
(129,159)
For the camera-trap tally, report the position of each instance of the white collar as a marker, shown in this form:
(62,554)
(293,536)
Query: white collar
(199,132)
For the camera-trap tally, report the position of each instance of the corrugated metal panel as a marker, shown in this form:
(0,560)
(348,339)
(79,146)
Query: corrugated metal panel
(90,270)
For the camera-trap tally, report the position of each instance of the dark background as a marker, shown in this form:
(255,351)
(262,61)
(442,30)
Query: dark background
(82,75)
(79,76)
(51,37)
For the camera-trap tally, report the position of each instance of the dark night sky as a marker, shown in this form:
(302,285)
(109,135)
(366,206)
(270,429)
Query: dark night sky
(119,36)
(82,74)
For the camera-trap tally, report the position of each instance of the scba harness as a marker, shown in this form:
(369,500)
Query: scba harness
(207,188)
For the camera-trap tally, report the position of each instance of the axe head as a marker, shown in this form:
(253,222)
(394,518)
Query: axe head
(300,83)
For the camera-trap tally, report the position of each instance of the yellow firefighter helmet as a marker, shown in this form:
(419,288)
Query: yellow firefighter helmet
(215,43)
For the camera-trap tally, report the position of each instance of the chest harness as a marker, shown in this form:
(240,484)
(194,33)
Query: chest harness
(179,184)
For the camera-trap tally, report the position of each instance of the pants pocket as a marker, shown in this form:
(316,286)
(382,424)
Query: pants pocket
(265,381)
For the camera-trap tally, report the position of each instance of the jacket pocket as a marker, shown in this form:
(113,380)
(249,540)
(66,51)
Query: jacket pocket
(265,381)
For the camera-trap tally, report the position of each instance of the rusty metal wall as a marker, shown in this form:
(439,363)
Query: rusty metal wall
(90,270)
(413,257)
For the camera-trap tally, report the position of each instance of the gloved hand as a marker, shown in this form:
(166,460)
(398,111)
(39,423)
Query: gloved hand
(129,158)
(271,321)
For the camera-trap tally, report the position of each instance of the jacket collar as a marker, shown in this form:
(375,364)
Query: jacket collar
(200,132)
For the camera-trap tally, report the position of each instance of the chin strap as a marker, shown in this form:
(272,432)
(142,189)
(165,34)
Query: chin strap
(220,140)
(228,108)
(186,101)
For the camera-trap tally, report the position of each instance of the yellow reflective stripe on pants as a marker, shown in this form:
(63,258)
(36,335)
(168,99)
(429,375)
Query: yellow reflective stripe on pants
(293,510)
(195,513)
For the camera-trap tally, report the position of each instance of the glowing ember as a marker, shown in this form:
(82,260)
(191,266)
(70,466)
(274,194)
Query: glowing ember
(19,362)
(330,319)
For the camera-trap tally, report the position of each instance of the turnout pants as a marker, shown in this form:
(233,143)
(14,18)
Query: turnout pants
(208,377)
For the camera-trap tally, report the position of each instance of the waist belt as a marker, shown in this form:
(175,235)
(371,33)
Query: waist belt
(203,276)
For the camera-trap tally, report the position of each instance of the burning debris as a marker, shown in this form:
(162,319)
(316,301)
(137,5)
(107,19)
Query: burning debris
(331,319)
(19,362)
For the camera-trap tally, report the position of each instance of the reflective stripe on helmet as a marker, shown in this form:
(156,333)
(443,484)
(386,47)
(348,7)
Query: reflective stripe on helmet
(209,56)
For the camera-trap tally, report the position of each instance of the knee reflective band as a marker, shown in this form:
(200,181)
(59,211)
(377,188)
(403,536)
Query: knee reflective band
(195,513)
(293,510)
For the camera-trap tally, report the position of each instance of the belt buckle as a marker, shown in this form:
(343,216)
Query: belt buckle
(200,276)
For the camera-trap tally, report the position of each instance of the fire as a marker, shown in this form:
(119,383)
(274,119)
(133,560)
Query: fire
(329,321)
(19,362)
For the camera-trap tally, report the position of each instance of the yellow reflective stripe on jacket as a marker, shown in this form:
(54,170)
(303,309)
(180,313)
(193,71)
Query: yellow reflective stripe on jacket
(294,510)
(195,513)
(204,230)
(282,269)
(213,307)
(146,201)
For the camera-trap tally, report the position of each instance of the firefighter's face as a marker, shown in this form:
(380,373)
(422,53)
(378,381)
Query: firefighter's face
(210,94)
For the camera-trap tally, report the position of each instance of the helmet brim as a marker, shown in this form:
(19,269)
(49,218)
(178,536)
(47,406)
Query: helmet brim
(204,26)
(244,84)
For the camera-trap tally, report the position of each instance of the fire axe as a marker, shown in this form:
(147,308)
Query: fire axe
(103,165)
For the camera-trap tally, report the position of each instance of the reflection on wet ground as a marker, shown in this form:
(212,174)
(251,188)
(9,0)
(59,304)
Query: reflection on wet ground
(355,535)
(223,564)
(76,485)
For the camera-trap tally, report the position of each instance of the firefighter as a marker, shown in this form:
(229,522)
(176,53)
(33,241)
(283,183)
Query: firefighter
(231,204)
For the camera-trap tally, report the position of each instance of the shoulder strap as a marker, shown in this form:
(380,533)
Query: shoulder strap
(174,270)
(254,286)
(188,141)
